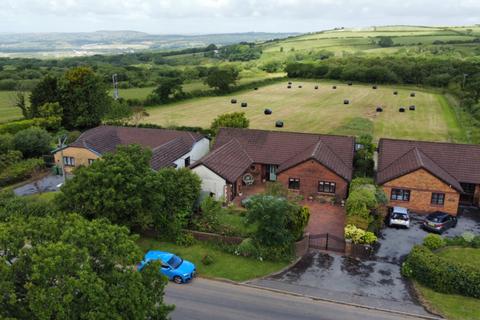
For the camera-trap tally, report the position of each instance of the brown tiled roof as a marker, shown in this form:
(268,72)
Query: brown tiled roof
(167,145)
(229,161)
(459,161)
(286,149)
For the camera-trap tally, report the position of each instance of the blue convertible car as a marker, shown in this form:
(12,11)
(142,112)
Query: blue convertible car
(174,267)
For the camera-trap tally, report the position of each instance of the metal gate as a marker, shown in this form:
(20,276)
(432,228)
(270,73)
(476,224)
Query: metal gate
(327,241)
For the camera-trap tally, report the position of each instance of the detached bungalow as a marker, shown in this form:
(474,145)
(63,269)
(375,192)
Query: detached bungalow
(429,176)
(309,164)
(170,148)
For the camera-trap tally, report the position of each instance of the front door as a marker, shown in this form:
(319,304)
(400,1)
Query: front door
(272,172)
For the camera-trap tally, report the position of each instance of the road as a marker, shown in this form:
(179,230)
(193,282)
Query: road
(206,299)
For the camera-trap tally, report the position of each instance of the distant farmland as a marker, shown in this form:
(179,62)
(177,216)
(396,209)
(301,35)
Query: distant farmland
(8,111)
(323,111)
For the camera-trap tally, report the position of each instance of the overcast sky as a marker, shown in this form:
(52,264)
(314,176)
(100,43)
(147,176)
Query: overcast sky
(222,16)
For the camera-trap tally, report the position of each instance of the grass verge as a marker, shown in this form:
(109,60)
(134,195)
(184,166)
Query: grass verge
(226,266)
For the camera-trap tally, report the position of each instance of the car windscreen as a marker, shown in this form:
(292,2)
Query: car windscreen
(399,216)
(175,261)
(435,218)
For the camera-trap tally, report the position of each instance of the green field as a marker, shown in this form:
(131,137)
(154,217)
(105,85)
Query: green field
(322,111)
(8,111)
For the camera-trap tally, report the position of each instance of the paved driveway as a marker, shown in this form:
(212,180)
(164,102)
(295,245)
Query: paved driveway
(377,282)
(46,184)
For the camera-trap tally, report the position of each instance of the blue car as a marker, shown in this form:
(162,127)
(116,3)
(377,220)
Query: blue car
(173,267)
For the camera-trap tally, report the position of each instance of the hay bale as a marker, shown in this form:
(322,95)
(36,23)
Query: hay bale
(233,101)
(316,87)
(374,87)
(350,83)
(346,101)
(334,87)
(412,107)
(401,109)
(279,124)
(379,109)
(267,111)
(255,88)
(289,87)
(289,82)
(412,94)
(244,104)
(395,93)
(300,86)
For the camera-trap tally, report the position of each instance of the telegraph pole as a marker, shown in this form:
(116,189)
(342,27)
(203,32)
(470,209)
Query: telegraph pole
(61,145)
(115,86)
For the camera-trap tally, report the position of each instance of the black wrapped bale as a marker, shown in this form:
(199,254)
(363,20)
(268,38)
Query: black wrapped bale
(255,88)
(379,109)
(374,87)
(244,104)
(346,101)
(289,82)
(316,87)
(350,83)
(395,93)
(334,87)
(412,94)
(300,86)
(401,109)
(289,87)
(267,111)
(279,124)
(233,101)
(412,107)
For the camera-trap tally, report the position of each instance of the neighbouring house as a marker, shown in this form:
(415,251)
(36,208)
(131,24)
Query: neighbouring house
(311,165)
(170,148)
(429,176)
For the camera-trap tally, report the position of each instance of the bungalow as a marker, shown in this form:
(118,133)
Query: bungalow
(308,164)
(170,148)
(429,176)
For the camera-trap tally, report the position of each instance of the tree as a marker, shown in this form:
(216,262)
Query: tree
(50,109)
(229,120)
(138,114)
(46,91)
(166,87)
(118,187)
(65,267)
(221,78)
(32,142)
(6,143)
(385,42)
(363,159)
(83,97)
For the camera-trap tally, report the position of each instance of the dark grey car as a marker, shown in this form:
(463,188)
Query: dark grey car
(439,222)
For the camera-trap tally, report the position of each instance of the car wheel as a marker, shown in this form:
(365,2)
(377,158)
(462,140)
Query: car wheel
(177,279)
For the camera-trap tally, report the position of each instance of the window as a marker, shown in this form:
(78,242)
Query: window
(438,198)
(69,161)
(187,161)
(400,194)
(294,183)
(325,186)
(90,161)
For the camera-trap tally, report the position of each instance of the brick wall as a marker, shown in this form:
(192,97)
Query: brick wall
(310,173)
(81,156)
(421,185)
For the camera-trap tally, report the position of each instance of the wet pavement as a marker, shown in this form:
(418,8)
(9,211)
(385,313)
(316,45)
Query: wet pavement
(46,184)
(376,282)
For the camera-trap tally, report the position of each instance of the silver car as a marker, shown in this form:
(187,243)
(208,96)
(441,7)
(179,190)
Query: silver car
(399,217)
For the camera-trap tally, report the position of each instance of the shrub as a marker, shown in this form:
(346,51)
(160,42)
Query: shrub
(359,236)
(468,236)
(32,142)
(6,143)
(185,239)
(247,248)
(208,260)
(20,171)
(440,274)
(357,221)
(51,123)
(208,218)
(433,241)
(298,222)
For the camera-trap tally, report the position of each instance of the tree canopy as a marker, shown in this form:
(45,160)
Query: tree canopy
(229,120)
(222,78)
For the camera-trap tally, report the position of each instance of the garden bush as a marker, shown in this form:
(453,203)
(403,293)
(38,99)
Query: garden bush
(359,236)
(185,239)
(433,241)
(357,221)
(20,171)
(50,123)
(207,220)
(247,248)
(208,260)
(32,142)
(441,275)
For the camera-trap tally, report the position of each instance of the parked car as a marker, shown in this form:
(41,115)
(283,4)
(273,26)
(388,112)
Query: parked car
(173,267)
(399,217)
(439,222)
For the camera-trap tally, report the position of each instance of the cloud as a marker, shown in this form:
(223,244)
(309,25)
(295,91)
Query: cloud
(241,15)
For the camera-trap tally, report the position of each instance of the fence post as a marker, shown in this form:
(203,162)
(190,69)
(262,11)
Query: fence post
(326,243)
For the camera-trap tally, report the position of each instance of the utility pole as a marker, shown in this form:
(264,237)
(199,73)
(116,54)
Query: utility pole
(465,75)
(61,145)
(115,86)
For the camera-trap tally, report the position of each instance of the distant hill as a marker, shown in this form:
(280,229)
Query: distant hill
(111,42)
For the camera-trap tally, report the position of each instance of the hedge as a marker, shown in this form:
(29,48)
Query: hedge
(20,171)
(441,275)
(51,123)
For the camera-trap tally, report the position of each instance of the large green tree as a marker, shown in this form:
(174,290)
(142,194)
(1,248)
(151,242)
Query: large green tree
(32,142)
(222,78)
(229,120)
(46,91)
(166,88)
(118,187)
(83,97)
(66,267)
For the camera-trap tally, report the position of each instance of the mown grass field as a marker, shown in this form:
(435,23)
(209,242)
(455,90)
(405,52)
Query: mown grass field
(323,111)
(8,111)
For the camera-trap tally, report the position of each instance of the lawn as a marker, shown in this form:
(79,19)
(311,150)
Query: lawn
(322,111)
(226,266)
(451,306)
(469,256)
(8,111)
(235,222)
